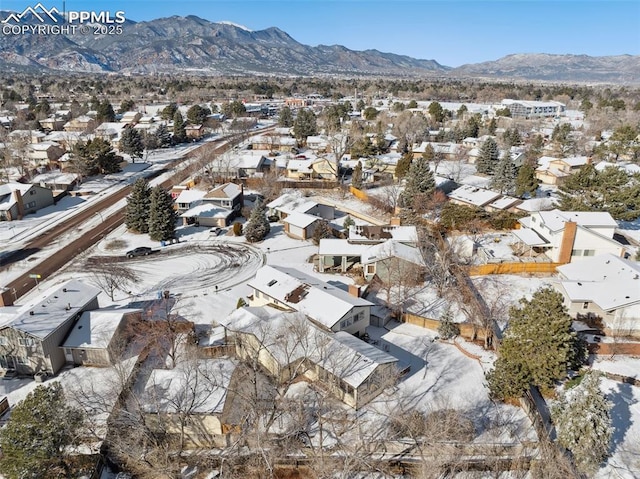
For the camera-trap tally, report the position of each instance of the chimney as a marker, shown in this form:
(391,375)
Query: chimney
(566,244)
(354,290)
(17,195)
(395,221)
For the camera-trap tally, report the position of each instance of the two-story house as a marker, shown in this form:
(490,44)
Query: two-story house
(326,305)
(567,236)
(218,207)
(30,341)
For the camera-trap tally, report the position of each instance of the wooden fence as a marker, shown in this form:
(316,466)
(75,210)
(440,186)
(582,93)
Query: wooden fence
(468,331)
(361,195)
(512,268)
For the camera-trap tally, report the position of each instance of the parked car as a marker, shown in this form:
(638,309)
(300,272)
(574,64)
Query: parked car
(140,251)
(218,231)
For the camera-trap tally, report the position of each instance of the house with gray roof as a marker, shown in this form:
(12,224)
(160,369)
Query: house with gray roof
(30,341)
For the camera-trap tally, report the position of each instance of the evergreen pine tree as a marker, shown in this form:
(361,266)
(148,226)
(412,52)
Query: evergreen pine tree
(38,433)
(538,347)
(526,181)
(447,329)
(356,178)
(492,127)
(419,181)
(583,422)
(404,163)
(162,216)
(105,112)
(168,111)
(179,132)
(94,157)
(257,228)
(488,158)
(131,143)
(285,118)
(163,135)
(138,205)
(504,179)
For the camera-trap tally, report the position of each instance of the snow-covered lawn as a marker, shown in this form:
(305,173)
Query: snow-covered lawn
(442,377)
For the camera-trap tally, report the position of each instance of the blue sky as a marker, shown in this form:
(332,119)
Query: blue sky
(452,32)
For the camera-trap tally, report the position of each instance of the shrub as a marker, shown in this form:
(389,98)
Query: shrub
(237,229)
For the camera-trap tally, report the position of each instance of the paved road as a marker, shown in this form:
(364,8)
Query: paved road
(24,283)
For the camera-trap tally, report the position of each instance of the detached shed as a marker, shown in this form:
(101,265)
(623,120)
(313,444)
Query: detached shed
(96,337)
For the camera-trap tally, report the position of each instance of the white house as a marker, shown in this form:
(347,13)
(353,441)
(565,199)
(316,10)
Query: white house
(328,306)
(606,287)
(567,236)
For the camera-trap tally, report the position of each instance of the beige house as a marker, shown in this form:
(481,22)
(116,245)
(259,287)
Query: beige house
(30,341)
(191,401)
(99,337)
(81,124)
(288,346)
(554,171)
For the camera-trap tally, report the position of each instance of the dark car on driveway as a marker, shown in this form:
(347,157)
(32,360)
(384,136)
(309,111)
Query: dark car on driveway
(141,251)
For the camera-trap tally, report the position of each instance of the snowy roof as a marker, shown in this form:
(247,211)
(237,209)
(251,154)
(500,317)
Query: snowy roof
(207,210)
(392,249)
(323,302)
(248,160)
(55,177)
(575,160)
(601,267)
(530,237)
(301,220)
(534,103)
(340,247)
(189,196)
(476,181)
(95,329)
(200,386)
(474,196)
(341,354)
(55,307)
(368,233)
(43,146)
(303,166)
(607,280)
(505,202)
(290,203)
(536,204)
(555,219)
(629,168)
(226,191)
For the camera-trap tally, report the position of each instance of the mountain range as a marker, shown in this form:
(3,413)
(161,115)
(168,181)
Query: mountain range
(192,44)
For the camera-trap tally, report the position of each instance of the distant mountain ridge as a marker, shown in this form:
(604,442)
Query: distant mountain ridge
(192,44)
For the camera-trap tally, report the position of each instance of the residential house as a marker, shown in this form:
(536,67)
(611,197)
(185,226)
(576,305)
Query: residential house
(319,144)
(218,207)
(18,200)
(300,225)
(604,287)
(26,136)
(374,234)
(393,262)
(290,203)
(469,195)
(81,124)
(52,123)
(30,342)
(194,132)
(55,180)
(99,337)
(130,117)
(240,165)
(328,306)
(201,390)
(45,152)
(186,199)
(554,171)
(324,168)
(110,131)
(289,347)
(300,168)
(273,142)
(568,236)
